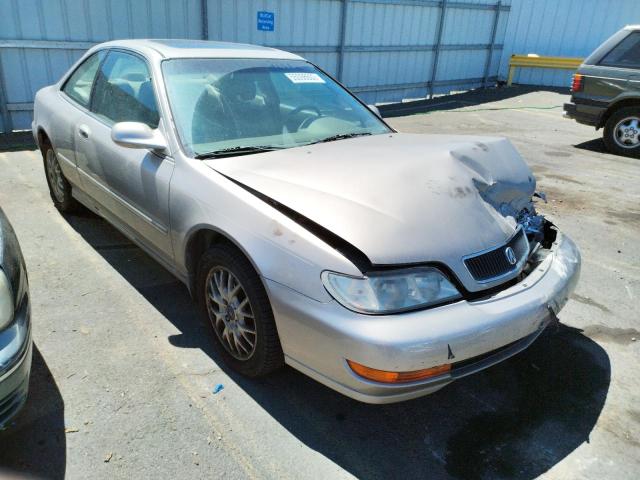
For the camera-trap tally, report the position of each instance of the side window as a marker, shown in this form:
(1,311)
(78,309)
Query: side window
(624,55)
(124,92)
(79,84)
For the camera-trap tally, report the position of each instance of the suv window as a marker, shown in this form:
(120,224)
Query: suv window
(626,54)
(124,92)
(79,84)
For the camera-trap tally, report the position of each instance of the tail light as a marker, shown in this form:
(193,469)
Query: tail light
(577,84)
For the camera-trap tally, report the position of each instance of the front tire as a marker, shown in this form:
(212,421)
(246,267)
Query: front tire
(622,132)
(236,307)
(59,186)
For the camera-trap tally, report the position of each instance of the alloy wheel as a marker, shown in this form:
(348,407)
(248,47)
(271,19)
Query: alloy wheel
(627,132)
(56,178)
(230,313)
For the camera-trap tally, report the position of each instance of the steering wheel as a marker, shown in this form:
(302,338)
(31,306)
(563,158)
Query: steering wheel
(305,123)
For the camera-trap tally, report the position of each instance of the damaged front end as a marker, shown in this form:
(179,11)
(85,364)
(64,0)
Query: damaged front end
(532,242)
(541,234)
(387,202)
(543,237)
(533,224)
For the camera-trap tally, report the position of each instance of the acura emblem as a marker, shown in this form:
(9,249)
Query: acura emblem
(511,256)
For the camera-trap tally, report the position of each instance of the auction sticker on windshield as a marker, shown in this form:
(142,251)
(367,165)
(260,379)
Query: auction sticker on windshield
(304,77)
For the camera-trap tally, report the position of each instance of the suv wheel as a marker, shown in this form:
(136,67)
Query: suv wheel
(622,132)
(234,302)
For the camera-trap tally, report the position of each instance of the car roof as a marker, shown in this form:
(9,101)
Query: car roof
(185,48)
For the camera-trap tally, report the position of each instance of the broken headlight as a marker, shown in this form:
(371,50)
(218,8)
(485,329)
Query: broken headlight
(391,291)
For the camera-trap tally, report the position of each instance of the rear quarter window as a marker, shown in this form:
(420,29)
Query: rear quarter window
(625,54)
(79,85)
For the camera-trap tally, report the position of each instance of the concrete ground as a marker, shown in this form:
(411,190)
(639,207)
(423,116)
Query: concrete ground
(123,370)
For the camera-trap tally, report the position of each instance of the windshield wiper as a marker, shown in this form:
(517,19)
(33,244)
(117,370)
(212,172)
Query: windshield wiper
(228,152)
(341,136)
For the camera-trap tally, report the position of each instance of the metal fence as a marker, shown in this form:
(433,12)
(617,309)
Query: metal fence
(41,39)
(384,50)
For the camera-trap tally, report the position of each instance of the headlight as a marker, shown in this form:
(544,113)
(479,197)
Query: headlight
(392,291)
(6,301)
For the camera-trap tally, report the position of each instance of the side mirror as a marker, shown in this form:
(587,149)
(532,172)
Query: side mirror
(375,110)
(138,135)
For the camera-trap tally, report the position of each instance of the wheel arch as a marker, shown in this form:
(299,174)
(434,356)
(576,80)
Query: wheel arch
(201,238)
(622,103)
(42,137)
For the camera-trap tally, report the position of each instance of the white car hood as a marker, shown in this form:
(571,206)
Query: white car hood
(399,198)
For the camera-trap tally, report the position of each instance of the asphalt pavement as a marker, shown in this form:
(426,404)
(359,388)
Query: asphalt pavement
(124,372)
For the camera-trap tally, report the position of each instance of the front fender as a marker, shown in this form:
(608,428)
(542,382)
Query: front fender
(280,249)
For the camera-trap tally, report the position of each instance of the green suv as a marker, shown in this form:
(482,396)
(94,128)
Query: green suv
(606,92)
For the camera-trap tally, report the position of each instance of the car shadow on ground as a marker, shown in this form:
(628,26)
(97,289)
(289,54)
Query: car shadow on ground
(33,444)
(515,420)
(17,141)
(596,145)
(470,98)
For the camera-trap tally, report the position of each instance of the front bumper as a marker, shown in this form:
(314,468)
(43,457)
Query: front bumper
(15,362)
(317,338)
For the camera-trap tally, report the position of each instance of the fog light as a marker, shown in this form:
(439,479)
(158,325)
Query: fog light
(383,376)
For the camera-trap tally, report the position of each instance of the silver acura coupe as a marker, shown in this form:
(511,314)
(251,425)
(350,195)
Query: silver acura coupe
(384,265)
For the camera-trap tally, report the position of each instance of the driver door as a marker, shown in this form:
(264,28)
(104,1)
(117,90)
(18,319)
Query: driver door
(131,184)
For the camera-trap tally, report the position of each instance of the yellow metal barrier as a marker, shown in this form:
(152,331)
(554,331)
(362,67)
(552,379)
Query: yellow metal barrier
(536,61)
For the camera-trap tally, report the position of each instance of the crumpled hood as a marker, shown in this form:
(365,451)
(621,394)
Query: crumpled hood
(399,198)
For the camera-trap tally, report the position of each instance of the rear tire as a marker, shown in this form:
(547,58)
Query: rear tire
(622,132)
(236,307)
(59,186)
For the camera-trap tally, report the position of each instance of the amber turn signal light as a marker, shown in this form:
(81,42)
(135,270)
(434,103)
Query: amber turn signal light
(383,376)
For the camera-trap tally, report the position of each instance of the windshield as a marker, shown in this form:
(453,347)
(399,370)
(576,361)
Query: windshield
(233,104)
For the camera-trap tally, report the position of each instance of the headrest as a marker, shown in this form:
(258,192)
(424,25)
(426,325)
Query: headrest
(145,94)
(123,86)
(238,87)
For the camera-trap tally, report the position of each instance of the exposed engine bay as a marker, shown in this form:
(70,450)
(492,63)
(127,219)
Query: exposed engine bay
(540,232)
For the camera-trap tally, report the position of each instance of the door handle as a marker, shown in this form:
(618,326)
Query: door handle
(83,131)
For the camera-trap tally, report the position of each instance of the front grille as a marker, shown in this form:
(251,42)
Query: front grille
(494,263)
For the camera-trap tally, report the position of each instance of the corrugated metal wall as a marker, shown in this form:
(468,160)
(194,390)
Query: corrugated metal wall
(385,50)
(565,28)
(382,49)
(41,39)
(310,27)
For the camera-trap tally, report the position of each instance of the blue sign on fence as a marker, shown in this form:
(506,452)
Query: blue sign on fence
(266,21)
